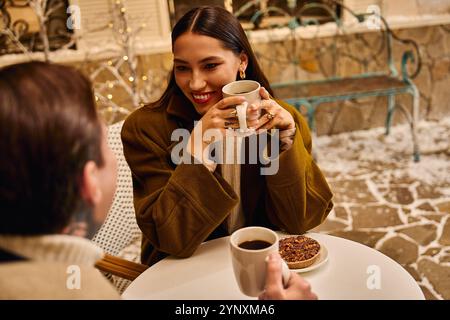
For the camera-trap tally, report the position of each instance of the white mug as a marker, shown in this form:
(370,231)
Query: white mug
(249,265)
(244,88)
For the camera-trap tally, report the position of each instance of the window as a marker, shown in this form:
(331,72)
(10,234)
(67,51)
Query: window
(179,7)
(81,25)
(21,24)
(99,23)
(281,12)
(246,10)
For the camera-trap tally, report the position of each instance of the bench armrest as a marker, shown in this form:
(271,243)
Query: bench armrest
(408,55)
(412,55)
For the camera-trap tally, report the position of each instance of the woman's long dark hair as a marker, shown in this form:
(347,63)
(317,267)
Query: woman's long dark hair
(220,24)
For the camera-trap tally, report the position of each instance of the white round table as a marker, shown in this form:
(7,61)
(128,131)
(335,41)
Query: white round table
(353,271)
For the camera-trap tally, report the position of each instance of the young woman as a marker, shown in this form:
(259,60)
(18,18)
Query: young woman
(57,182)
(180,205)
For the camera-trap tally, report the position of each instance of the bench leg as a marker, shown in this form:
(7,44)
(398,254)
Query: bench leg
(390,113)
(311,110)
(311,117)
(413,119)
(414,122)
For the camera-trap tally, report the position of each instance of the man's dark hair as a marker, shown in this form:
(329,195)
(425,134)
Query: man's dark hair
(49,129)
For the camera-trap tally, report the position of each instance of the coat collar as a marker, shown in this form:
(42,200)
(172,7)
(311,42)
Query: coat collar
(180,107)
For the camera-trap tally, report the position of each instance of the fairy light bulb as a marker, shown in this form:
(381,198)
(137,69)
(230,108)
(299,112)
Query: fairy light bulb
(292,4)
(96,98)
(131,79)
(109,96)
(110,85)
(110,63)
(144,78)
(125,58)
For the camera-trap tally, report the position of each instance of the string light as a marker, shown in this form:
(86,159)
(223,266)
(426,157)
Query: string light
(130,80)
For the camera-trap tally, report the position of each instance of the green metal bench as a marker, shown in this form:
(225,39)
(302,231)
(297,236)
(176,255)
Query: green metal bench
(334,85)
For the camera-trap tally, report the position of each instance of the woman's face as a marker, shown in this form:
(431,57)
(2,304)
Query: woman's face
(202,66)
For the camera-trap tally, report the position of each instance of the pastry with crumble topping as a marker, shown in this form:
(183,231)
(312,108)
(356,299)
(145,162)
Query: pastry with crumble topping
(299,251)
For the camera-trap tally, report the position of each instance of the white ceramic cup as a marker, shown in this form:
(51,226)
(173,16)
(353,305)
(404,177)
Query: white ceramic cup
(249,265)
(244,88)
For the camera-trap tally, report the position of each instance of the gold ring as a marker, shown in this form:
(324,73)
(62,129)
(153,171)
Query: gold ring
(270,116)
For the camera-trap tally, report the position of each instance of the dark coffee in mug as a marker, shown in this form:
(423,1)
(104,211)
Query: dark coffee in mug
(254,245)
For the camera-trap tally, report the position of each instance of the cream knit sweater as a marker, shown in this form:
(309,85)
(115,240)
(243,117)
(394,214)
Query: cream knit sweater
(53,263)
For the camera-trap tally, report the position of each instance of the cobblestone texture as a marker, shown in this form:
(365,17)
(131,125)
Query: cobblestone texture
(386,201)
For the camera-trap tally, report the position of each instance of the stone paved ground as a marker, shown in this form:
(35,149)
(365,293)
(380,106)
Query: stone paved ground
(386,201)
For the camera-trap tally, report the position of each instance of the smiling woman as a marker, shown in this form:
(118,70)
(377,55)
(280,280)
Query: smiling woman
(180,205)
(203,67)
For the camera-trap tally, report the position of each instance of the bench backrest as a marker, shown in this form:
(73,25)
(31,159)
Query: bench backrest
(308,50)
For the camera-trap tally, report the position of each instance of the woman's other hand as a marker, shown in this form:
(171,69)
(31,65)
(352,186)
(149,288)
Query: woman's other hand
(275,116)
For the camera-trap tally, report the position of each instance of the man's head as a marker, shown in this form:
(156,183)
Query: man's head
(55,164)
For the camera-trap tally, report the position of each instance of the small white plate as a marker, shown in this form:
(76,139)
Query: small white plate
(323,258)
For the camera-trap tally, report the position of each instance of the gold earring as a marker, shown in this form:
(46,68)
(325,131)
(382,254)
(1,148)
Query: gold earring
(242,73)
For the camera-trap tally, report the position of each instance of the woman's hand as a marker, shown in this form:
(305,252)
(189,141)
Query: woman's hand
(275,116)
(222,115)
(219,117)
(297,288)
